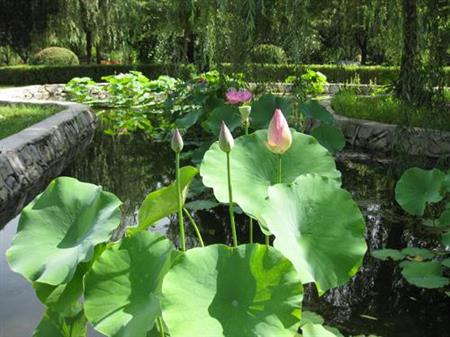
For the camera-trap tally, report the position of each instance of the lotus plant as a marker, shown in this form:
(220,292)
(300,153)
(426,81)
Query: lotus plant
(177,146)
(226,143)
(238,96)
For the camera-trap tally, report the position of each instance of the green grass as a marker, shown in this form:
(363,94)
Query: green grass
(16,117)
(388,109)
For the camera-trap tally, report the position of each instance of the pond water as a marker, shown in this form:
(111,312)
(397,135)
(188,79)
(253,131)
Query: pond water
(376,301)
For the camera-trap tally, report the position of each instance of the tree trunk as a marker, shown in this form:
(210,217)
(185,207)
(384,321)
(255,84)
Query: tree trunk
(88,46)
(407,87)
(98,54)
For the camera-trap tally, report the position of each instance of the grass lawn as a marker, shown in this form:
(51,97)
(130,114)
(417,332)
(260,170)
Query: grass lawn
(387,109)
(16,117)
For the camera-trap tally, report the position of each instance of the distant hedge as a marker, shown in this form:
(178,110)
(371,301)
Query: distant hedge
(55,56)
(28,75)
(335,73)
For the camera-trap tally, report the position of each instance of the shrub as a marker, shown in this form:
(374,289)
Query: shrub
(27,75)
(55,56)
(268,53)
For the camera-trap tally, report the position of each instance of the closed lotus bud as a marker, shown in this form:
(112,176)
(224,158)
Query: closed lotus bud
(279,137)
(245,111)
(177,141)
(226,141)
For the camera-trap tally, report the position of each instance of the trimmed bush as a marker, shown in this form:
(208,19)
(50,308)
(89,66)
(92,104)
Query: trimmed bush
(268,53)
(28,75)
(55,56)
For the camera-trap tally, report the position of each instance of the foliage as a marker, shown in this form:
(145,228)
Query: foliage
(384,109)
(418,192)
(312,83)
(55,56)
(268,53)
(139,285)
(16,117)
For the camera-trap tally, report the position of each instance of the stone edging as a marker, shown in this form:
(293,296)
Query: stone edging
(392,138)
(31,158)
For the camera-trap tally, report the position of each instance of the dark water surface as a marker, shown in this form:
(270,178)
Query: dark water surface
(377,300)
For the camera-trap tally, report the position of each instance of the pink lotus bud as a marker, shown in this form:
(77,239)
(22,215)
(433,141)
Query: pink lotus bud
(226,141)
(177,141)
(279,138)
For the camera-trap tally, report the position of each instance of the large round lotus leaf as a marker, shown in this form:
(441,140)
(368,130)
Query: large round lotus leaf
(418,187)
(319,227)
(264,107)
(218,291)
(254,168)
(226,113)
(424,274)
(61,228)
(330,137)
(122,290)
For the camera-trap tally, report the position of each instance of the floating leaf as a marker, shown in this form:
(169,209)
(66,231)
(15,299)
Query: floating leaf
(319,227)
(330,137)
(54,325)
(316,330)
(163,202)
(122,290)
(416,188)
(314,110)
(421,252)
(227,113)
(201,205)
(60,229)
(248,291)
(264,107)
(424,274)
(254,168)
(384,254)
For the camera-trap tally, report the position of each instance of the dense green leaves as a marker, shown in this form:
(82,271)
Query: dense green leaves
(314,110)
(225,112)
(316,330)
(53,324)
(384,254)
(330,137)
(61,228)
(248,291)
(319,227)
(163,202)
(424,274)
(122,290)
(417,188)
(254,168)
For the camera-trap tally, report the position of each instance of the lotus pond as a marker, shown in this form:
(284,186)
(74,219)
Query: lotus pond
(377,300)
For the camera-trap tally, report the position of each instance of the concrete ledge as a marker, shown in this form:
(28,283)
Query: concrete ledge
(31,158)
(392,138)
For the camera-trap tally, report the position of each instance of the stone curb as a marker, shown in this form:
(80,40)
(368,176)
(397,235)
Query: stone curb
(31,158)
(391,137)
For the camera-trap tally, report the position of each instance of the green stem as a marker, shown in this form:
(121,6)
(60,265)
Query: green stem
(194,224)
(267,237)
(246,125)
(251,230)
(180,203)
(230,204)
(160,326)
(279,169)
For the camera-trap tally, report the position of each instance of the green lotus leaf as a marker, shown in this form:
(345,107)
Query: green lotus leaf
(60,229)
(163,202)
(424,274)
(197,205)
(418,252)
(416,188)
(311,317)
(264,107)
(445,239)
(316,330)
(446,262)
(227,113)
(384,254)
(314,110)
(53,324)
(444,219)
(330,137)
(319,227)
(218,291)
(254,168)
(122,289)
(189,119)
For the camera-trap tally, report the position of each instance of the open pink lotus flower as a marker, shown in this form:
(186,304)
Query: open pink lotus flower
(238,96)
(279,137)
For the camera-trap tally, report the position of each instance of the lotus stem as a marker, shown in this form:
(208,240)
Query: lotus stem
(246,125)
(160,326)
(279,169)
(230,204)
(180,203)
(194,224)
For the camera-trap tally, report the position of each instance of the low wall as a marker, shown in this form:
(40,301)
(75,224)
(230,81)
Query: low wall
(31,158)
(392,138)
